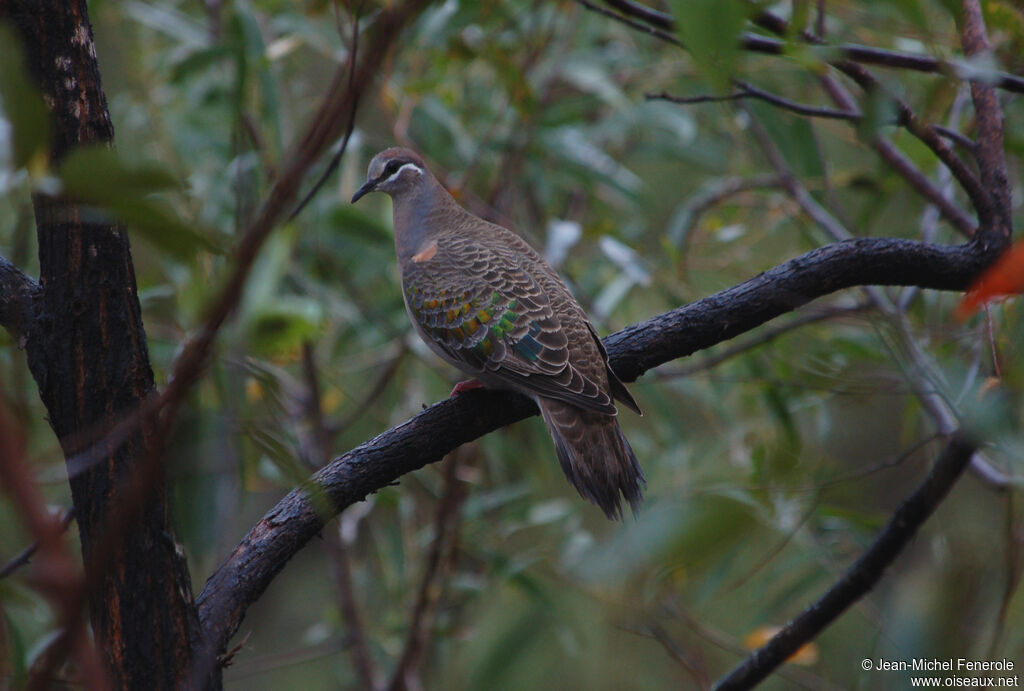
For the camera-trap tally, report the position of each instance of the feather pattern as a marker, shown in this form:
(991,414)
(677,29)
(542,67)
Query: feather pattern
(487,303)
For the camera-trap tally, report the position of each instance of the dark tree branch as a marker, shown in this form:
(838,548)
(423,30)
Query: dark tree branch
(439,560)
(444,426)
(899,162)
(24,557)
(931,138)
(353,97)
(848,65)
(864,574)
(54,573)
(748,90)
(991,159)
(659,23)
(18,297)
(88,355)
(906,117)
(334,543)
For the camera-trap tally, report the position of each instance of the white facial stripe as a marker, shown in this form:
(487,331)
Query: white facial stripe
(394,176)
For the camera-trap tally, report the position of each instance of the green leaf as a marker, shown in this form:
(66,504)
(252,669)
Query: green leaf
(792,135)
(280,325)
(97,176)
(23,107)
(879,112)
(710,29)
(359,225)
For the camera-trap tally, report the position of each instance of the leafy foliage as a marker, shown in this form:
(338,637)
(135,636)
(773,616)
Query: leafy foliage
(767,473)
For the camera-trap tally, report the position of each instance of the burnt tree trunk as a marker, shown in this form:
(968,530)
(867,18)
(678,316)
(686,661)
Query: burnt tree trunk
(86,348)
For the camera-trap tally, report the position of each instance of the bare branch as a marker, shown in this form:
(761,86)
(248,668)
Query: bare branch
(715,193)
(444,426)
(750,91)
(446,522)
(991,159)
(24,557)
(659,23)
(353,108)
(747,90)
(334,543)
(928,135)
(905,167)
(864,574)
(54,575)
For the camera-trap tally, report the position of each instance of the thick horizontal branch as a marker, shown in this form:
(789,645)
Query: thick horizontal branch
(444,426)
(863,575)
(736,310)
(18,294)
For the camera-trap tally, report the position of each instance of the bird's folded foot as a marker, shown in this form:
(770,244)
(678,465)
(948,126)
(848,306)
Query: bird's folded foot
(467,385)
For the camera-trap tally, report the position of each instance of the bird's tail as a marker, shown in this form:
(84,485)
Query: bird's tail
(594,455)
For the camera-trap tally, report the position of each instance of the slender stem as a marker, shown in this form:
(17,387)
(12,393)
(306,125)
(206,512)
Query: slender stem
(446,521)
(860,578)
(334,543)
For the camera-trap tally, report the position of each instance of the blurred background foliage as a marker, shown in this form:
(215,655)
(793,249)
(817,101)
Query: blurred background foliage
(768,472)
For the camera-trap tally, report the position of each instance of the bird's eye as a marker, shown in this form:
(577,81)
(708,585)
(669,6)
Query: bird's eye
(391,167)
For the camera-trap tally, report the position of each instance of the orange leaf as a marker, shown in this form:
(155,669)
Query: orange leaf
(1005,277)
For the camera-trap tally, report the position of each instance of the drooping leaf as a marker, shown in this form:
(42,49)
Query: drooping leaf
(21,104)
(98,177)
(710,30)
(279,326)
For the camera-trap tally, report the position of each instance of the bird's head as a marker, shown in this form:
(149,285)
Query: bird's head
(393,171)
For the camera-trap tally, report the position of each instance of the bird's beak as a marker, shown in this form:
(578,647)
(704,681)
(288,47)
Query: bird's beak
(364,190)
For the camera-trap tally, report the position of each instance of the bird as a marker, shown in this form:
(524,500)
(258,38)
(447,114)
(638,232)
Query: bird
(487,303)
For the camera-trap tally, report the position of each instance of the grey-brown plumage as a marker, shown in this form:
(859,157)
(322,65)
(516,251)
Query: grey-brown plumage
(486,302)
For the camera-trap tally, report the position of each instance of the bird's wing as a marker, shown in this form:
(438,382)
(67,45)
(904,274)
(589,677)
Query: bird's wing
(483,309)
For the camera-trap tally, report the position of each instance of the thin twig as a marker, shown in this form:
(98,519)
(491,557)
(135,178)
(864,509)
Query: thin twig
(54,574)
(928,136)
(354,98)
(860,578)
(337,549)
(446,523)
(693,664)
(750,91)
(905,167)
(24,558)
(711,195)
(848,64)
(658,24)
(379,386)
(991,158)
(767,335)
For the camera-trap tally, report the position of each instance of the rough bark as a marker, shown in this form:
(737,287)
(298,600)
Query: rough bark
(444,426)
(87,352)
